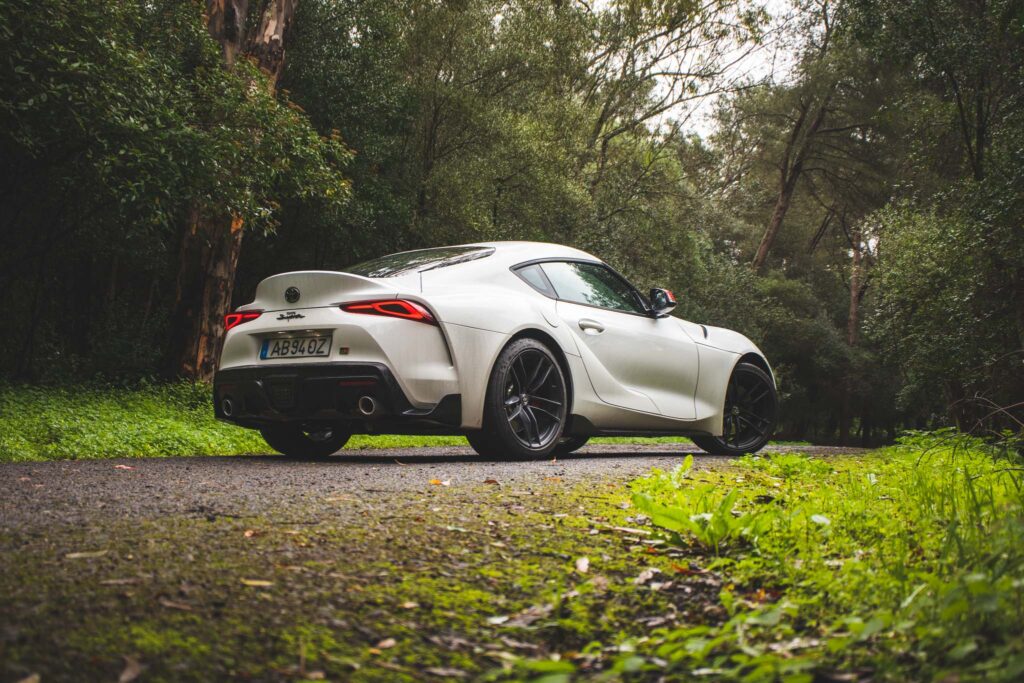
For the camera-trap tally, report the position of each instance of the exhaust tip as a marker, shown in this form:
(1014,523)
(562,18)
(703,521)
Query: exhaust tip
(368,405)
(227,406)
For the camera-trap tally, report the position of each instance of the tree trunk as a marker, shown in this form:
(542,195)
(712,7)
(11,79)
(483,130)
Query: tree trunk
(206,279)
(852,324)
(797,148)
(853,319)
(212,240)
(786,189)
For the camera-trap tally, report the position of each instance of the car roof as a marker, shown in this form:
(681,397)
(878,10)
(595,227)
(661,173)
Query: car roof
(511,253)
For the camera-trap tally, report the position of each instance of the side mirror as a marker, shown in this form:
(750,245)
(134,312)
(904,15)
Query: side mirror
(662,301)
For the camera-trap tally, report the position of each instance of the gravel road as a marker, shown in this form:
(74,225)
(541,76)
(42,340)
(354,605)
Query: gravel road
(69,492)
(54,493)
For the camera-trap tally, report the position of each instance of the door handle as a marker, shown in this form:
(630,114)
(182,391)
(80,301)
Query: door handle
(591,326)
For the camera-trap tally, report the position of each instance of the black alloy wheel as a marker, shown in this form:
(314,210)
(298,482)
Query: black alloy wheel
(305,441)
(751,409)
(526,403)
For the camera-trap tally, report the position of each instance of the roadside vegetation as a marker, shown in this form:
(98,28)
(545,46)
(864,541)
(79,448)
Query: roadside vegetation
(146,419)
(907,563)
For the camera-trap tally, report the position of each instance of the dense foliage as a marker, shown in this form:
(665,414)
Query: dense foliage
(876,186)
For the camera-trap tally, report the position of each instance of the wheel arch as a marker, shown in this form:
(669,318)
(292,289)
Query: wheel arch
(759,361)
(555,348)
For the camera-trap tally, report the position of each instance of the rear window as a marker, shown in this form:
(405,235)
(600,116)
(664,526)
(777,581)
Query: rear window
(418,261)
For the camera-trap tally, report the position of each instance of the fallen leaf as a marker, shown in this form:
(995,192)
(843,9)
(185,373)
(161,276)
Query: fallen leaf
(529,615)
(249,533)
(445,672)
(132,669)
(375,651)
(495,621)
(315,675)
(85,555)
(498,544)
(492,482)
(257,583)
(438,482)
(123,467)
(387,643)
(552,478)
(582,564)
(409,604)
(646,575)
(171,604)
(518,644)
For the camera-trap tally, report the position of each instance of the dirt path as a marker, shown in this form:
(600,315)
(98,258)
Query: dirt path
(380,566)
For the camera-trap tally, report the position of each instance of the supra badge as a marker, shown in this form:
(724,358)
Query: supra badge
(292,294)
(290,315)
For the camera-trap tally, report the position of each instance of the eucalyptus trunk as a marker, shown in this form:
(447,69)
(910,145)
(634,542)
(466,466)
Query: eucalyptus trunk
(852,327)
(212,238)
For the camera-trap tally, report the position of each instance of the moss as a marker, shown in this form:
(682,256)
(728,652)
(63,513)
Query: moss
(447,592)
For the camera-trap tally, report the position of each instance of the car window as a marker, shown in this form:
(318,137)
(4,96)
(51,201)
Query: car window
(418,261)
(592,284)
(535,278)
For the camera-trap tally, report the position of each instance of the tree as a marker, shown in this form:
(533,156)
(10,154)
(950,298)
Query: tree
(212,239)
(968,51)
(118,121)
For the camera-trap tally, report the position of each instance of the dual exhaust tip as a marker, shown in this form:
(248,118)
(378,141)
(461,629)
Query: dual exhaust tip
(367,405)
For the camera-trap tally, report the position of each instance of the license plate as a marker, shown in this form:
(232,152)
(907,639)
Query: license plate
(295,347)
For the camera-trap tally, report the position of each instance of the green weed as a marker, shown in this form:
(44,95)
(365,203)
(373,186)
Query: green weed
(907,563)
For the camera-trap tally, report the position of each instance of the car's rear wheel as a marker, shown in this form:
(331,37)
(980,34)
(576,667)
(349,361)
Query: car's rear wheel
(751,408)
(570,444)
(526,404)
(307,442)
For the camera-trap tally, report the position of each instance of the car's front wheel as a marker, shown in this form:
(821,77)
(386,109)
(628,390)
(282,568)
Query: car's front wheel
(751,408)
(525,405)
(308,442)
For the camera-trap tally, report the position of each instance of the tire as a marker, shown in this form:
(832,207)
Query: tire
(526,404)
(751,409)
(570,444)
(298,441)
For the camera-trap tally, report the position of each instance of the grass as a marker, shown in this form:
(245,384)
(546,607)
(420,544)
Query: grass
(905,564)
(152,420)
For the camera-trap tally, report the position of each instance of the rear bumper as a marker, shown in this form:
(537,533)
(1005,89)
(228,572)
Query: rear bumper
(257,396)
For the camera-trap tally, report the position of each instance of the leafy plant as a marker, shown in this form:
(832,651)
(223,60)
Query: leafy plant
(907,560)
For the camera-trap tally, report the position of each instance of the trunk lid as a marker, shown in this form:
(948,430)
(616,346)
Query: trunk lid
(319,288)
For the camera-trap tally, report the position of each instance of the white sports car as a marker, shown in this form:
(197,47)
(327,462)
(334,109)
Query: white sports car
(527,349)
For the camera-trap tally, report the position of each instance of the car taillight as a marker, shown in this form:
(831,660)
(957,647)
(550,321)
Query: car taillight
(236,319)
(394,308)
